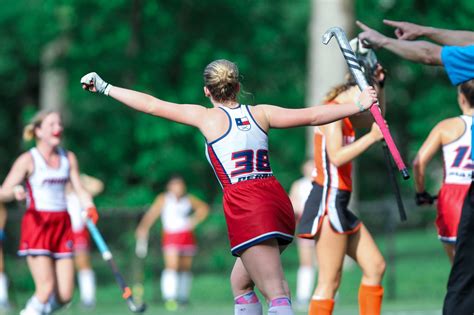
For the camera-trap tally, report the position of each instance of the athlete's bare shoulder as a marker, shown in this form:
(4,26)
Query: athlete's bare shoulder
(451,122)
(25,158)
(450,129)
(71,156)
(25,162)
(259,113)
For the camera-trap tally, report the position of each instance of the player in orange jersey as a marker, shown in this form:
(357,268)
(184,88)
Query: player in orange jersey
(326,216)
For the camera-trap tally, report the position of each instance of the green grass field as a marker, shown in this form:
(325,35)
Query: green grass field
(417,288)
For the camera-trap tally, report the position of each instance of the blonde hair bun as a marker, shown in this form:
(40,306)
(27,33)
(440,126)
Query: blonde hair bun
(221,77)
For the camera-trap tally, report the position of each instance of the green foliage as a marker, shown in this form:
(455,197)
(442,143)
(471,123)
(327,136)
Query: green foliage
(161,47)
(418,96)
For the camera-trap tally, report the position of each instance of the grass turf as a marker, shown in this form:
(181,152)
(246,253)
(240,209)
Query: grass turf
(415,284)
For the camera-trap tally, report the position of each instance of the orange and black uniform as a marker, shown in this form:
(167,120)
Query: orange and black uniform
(331,191)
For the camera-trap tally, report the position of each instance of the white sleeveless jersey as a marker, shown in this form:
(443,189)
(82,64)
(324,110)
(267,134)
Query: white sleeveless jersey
(46,186)
(176,214)
(302,188)
(242,152)
(458,166)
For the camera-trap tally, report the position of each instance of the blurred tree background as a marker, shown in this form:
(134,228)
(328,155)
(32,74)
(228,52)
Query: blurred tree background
(162,47)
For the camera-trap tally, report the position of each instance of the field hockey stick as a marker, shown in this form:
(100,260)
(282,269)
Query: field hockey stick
(357,73)
(141,251)
(107,256)
(393,179)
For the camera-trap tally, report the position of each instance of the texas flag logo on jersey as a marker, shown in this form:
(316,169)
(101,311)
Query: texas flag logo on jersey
(243,123)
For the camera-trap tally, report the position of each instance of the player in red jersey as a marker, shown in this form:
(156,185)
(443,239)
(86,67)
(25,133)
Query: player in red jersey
(453,137)
(259,215)
(326,217)
(46,234)
(180,213)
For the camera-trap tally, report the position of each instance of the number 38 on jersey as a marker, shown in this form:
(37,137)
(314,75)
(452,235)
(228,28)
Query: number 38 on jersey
(248,161)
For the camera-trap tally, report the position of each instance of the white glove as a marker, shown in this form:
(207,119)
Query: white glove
(141,247)
(93,83)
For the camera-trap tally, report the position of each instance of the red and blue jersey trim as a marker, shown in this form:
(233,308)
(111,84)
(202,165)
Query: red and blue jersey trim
(228,129)
(219,170)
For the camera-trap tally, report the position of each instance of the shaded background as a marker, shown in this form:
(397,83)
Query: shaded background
(161,47)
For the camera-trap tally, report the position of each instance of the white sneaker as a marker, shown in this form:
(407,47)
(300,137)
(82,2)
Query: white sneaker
(28,311)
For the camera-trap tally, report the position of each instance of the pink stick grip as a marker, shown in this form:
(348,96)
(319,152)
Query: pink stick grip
(375,110)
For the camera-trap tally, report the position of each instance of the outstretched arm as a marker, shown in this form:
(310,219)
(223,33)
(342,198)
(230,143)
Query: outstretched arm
(431,145)
(188,114)
(411,31)
(418,51)
(279,117)
(149,218)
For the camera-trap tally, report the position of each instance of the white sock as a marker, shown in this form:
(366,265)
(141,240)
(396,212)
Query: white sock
(280,310)
(280,306)
(305,283)
(86,280)
(169,284)
(185,279)
(34,307)
(248,309)
(3,288)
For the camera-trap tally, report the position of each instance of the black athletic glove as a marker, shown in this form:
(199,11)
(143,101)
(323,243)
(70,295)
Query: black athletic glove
(424,198)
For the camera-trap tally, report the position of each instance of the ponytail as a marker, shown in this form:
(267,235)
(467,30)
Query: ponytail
(335,91)
(467,89)
(338,89)
(29,130)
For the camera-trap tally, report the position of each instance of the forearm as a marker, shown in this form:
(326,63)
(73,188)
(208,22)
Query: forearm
(187,114)
(449,37)
(6,194)
(322,115)
(419,174)
(418,51)
(199,216)
(147,221)
(349,152)
(136,100)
